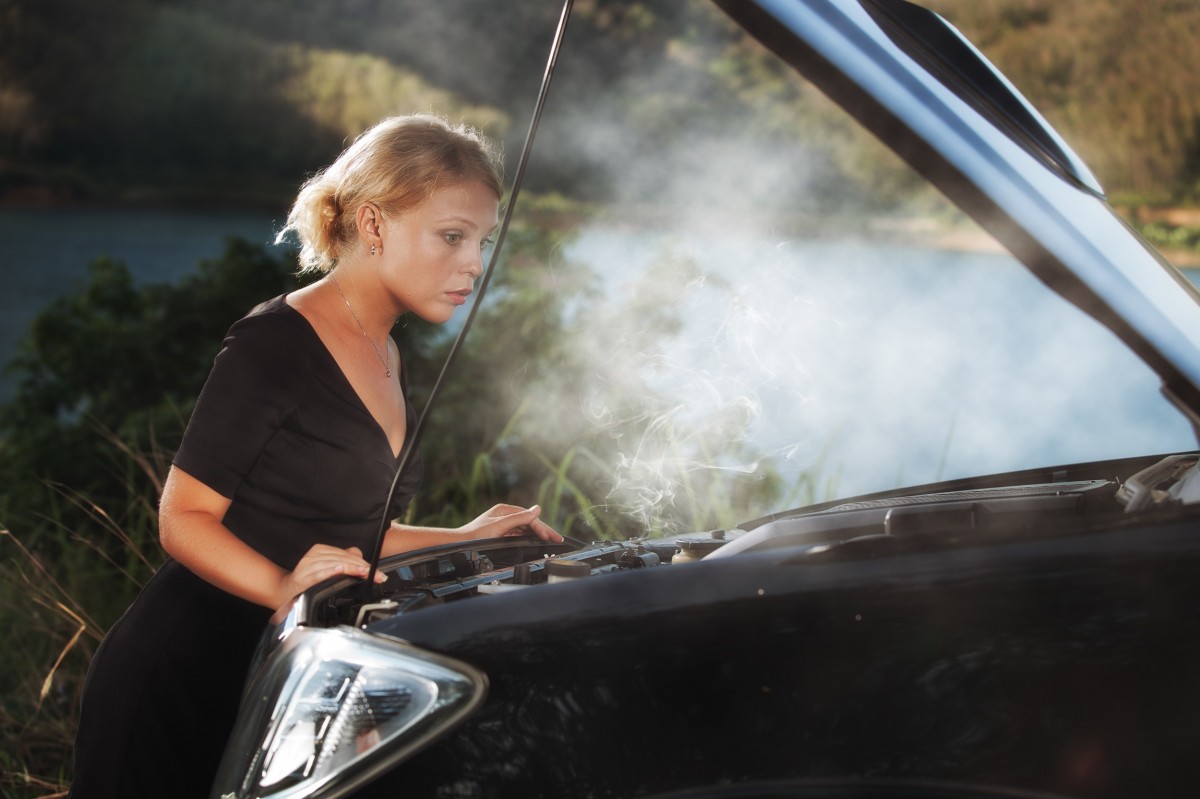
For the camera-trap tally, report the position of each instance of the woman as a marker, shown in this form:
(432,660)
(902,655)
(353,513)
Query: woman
(283,470)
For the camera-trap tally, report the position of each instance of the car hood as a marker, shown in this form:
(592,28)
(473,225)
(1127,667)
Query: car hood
(921,88)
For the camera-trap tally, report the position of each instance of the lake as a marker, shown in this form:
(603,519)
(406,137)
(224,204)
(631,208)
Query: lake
(882,391)
(47,251)
(868,364)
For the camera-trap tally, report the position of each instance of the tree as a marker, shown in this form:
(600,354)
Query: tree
(117,366)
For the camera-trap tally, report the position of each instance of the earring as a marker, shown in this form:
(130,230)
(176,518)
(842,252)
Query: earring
(372,249)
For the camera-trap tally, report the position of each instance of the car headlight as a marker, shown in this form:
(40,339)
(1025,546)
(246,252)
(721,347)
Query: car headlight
(332,708)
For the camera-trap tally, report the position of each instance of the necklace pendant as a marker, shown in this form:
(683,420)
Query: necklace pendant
(389,372)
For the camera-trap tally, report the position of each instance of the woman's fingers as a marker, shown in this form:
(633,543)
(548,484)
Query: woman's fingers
(514,521)
(540,528)
(323,561)
(546,532)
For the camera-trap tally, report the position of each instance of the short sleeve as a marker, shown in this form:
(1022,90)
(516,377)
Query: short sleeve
(249,392)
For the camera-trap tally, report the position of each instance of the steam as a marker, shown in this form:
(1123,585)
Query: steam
(739,374)
(746,356)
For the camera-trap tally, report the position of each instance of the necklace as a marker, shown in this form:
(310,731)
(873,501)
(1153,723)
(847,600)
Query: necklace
(387,364)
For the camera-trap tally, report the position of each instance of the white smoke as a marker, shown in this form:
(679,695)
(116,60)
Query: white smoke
(849,365)
(747,352)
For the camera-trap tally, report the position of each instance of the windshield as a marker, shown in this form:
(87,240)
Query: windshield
(769,309)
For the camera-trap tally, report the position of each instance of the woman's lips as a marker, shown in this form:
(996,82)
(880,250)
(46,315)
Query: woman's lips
(459,297)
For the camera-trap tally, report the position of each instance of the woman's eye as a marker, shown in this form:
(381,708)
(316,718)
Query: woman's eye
(488,242)
(453,237)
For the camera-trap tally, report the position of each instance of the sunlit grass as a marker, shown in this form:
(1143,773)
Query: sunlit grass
(51,594)
(61,586)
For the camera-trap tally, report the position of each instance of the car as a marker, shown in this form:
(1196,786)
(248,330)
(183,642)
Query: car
(982,618)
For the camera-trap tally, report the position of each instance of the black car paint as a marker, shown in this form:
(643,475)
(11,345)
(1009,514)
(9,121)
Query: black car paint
(851,789)
(1042,660)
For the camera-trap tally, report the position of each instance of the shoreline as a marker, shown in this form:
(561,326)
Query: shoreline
(930,233)
(927,232)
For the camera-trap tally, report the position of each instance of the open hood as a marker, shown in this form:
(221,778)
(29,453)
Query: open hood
(911,79)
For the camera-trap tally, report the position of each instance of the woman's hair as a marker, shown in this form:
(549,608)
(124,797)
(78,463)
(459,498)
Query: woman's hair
(397,164)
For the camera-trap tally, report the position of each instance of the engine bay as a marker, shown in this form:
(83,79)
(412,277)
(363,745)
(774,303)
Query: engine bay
(448,574)
(958,515)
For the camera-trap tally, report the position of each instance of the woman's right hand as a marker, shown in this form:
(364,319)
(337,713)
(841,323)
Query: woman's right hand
(192,531)
(322,562)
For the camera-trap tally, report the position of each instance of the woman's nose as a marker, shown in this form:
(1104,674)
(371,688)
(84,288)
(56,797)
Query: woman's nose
(475,264)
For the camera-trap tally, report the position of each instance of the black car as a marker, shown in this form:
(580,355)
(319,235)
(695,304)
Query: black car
(1022,618)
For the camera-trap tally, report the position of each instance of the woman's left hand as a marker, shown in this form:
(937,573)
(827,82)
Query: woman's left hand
(511,520)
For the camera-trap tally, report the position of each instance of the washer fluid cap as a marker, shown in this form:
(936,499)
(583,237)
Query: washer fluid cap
(693,548)
(563,569)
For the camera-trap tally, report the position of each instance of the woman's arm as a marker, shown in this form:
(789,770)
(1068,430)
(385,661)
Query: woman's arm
(501,520)
(190,528)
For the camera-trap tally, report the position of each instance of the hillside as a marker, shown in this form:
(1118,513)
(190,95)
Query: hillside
(222,101)
(1120,79)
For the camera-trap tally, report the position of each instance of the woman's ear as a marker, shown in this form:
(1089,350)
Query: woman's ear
(369,221)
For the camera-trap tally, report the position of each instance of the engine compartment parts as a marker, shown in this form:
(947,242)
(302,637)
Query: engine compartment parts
(1173,479)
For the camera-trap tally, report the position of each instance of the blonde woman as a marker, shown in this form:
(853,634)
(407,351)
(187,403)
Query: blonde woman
(283,470)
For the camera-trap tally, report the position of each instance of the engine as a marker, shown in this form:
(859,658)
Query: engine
(482,568)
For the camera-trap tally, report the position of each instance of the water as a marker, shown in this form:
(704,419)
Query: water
(890,365)
(873,365)
(46,253)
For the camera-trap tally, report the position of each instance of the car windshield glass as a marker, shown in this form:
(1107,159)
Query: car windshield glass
(757,306)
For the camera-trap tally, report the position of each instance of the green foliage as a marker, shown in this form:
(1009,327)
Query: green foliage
(122,360)
(1118,79)
(105,380)
(156,99)
(1172,237)
(232,100)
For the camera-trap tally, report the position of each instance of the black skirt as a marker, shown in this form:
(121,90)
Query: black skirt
(163,689)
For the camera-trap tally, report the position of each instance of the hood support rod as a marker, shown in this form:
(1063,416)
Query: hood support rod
(415,436)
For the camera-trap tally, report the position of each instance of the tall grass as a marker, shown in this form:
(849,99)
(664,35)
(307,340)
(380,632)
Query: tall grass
(61,588)
(59,591)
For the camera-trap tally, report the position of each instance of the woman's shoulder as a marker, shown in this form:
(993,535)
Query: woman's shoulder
(271,334)
(268,322)
(273,313)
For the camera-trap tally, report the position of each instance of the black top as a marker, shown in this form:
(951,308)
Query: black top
(279,430)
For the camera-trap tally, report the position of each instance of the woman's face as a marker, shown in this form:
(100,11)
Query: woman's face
(432,253)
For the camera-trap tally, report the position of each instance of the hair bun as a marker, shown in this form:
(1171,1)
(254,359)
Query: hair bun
(330,207)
